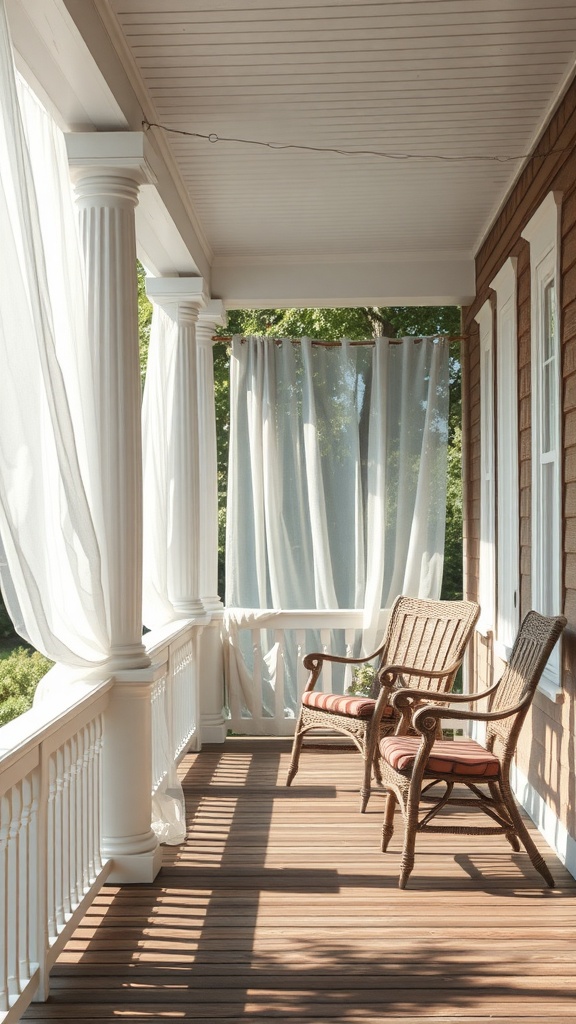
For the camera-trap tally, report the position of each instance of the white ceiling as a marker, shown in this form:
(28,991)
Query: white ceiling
(441,82)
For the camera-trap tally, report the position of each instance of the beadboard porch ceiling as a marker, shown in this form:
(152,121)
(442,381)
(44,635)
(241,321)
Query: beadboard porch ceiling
(415,91)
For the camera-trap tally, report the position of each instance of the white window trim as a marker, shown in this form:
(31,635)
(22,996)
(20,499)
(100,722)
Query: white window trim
(487,565)
(507,468)
(543,234)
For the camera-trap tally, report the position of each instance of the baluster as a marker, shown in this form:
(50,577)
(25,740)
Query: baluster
(76,821)
(326,676)
(258,639)
(66,907)
(301,672)
(15,802)
(89,810)
(349,641)
(5,815)
(96,790)
(24,858)
(84,848)
(37,860)
(174,706)
(279,695)
(52,865)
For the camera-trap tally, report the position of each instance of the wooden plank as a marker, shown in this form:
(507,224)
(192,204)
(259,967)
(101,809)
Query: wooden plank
(281,907)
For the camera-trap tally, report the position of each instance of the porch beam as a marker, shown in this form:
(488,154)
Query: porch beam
(346,282)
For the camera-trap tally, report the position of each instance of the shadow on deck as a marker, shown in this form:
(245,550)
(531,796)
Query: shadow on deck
(280,907)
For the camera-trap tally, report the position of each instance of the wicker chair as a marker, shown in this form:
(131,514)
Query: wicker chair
(424,647)
(411,765)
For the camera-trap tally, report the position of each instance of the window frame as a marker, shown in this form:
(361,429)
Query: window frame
(507,461)
(487,533)
(543,235)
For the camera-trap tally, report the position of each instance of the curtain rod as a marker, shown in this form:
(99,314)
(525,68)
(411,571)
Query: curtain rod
(336,344)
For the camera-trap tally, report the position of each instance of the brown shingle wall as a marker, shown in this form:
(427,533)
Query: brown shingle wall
(547,745)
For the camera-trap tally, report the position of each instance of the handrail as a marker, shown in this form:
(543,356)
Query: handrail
(263,658)
(50,860)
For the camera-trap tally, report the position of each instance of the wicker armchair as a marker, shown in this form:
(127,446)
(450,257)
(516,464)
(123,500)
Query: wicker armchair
(424,647)
(411,765)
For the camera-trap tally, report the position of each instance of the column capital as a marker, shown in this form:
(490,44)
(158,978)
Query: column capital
(116,154)
(171,292)
(213,314)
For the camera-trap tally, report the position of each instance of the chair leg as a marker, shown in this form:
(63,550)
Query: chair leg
(502,810)
(410,828)
(296,748)
(388,824)
(525,837)
(377,769)
(367,783)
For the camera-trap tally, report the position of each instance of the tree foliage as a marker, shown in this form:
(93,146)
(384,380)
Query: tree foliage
(144,321)
(20,674)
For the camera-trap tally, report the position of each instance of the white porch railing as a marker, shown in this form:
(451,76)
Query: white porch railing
(50,809)
(50,863)
(173,651)
(265,674)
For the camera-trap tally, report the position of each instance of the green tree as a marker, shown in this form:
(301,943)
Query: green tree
(144,320)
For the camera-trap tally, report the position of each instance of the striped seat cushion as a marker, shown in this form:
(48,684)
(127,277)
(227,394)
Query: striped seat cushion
(449,757)
(354,707)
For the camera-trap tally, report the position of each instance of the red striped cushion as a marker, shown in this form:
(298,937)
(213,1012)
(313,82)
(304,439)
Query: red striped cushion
(448,757)
(354,707)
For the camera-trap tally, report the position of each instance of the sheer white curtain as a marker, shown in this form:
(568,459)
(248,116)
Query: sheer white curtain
(53,561)
(53,553)
(337,476)
(157,608)
(157,424)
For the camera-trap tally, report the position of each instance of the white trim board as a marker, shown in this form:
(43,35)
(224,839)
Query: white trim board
(546,821)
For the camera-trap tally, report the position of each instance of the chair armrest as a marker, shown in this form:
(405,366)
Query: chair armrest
(407,696)
(389,675)
(314,662)
(426,718)
(409,701)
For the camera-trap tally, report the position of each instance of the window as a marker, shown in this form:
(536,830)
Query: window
(486,570)
(507,477)
(543,233)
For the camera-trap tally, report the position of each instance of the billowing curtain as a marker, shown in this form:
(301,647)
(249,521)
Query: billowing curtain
(54,568)
(157,608)
(337,477)
(157,421)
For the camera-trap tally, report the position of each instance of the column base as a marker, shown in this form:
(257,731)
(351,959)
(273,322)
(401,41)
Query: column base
(213,729)
(135,868)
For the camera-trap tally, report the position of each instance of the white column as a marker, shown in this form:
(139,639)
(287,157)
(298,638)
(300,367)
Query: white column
(107,170)
(212,722)
(182,298)
(209,317)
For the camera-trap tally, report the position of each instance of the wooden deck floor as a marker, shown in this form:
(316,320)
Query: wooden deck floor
(280,907)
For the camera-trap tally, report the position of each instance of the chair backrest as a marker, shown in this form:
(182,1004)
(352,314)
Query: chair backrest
(534,643)
(427,635)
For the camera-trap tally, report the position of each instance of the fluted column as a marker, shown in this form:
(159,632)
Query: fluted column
(212,722)
(107,170)
(209,317)
(106,188)
(181,299)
